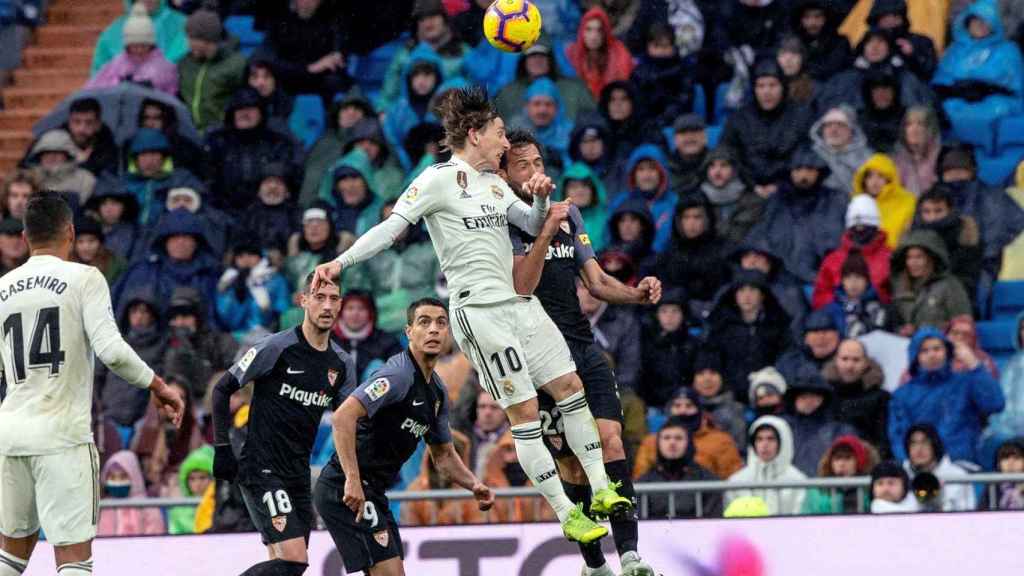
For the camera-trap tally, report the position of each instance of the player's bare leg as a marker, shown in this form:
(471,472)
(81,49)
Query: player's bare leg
(74,559)
(389,567)
(15,552)
(288,558)
(540,468)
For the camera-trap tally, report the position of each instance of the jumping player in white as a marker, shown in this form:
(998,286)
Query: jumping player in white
(56,318)
(511,341)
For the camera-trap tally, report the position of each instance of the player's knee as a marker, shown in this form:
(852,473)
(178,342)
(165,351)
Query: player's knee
(564,386)
(524,412)
(570,471)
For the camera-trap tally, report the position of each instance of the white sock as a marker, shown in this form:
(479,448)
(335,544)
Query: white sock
(584,439)
(11,565)
(83,568)
(540,467)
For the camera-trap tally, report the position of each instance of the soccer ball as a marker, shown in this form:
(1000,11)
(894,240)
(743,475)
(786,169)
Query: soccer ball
(512,25)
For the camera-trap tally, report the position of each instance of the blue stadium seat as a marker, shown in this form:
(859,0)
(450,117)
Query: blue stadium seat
(370,69)
(982,135)
(308,119)
(655,419)
(996,336)
(700,102)
(722,109)
(1008,299)
(996,170)
(1009,132)
(241,27)
(714,133)
(670,138)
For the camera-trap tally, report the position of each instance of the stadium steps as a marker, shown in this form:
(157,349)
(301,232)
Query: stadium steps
(55,64)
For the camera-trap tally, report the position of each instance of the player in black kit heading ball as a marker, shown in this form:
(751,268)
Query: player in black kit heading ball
(376,430)
(297,375)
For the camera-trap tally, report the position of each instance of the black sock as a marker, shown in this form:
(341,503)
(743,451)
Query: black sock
(624,529)
(591,553)
(276,568)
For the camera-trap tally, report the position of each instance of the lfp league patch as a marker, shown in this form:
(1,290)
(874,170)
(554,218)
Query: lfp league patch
(377,389)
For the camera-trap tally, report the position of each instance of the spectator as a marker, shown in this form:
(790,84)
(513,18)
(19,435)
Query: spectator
(262,76)
(195,476)
(597,55)
(803,221)
(924,292)
(421,80)
(167,26)
(196,349)
(618,107)
(97,150)
(840,142)
(999,217)
(15,189)
(304,45)
(53,158)
(667,350)
(663,78)
(217,226)
(791,57)
(591,143)
(820,339)
(980,76)
(716,397)
(715,449)
(1009,495)
(696,261)
(816,23)
(238,151)
(648,182)
(117,211)
(398,276)
(121,477)
(143,326)
(769,459)
(315,244)
(274,216)
(917,150)
(89,249)
(424,147)
(581,186)
(157,115)
(879,179)
(810,415)
(883,111)
(756,25)
(749,327)
(960,235)
(766,392)
(846,458)
(890,489)
(152,173)
(487,427)
(916,50)
(358,334)
(341,118)
(431,32)
(13,248)
(503,471)
(788,290)
(617,334)
(18,19)
(860,399)
(538,61)
(863,234)
(440,512)
(251,294)
(736,208)
(1010,422)
(689,153)
(356,204)
(141,62)
(768,130)
(543,114)
(856,309)
(211,71)
(388,175)
(925,453)
(963,330)
(631,232)
(179,255)
(675,463)
(955,403)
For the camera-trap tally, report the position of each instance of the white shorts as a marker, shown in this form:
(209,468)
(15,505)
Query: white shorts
(56,492)
(514,346)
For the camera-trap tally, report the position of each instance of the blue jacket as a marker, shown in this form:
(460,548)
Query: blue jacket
(554,136)
(163,274)
(662,205)
(1010,422)
(246,315)
(403,116)
(955,403)
(992,60)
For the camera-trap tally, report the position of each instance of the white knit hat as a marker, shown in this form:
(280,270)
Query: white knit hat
(863,210)
(138,27)
(767,376)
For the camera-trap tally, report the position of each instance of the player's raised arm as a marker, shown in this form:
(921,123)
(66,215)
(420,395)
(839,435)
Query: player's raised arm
(374,241)
(531,219)
(528,266)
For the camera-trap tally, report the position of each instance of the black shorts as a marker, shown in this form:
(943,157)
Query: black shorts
(362,544)
(600,388)
(280,509)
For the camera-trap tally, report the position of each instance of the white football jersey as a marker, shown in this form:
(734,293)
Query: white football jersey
(55,318)
(466,214)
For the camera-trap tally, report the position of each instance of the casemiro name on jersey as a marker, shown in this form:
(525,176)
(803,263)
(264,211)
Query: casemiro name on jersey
(45,282)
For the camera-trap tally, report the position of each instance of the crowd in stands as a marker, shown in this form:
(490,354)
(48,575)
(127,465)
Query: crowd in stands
(800,174)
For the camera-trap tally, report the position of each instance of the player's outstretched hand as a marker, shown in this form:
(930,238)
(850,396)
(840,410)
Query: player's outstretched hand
(484,496)
(326,273)
(539,185)
(652,287)
(354,497)
(225,466)
(557,213)
(168,400)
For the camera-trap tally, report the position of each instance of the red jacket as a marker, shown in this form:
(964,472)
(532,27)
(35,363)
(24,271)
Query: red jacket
(618,64)
(877,255)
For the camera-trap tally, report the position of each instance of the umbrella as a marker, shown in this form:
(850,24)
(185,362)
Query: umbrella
(121,105)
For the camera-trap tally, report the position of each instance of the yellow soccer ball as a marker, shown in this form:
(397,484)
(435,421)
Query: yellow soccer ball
(512,25)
